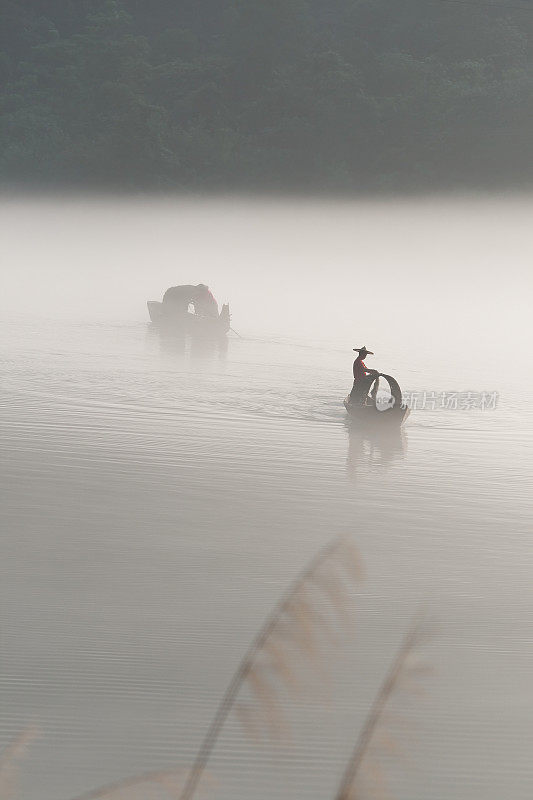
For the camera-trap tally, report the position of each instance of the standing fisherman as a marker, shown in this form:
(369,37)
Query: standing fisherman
(357,395)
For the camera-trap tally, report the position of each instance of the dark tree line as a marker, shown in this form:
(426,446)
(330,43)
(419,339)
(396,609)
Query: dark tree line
(271,94)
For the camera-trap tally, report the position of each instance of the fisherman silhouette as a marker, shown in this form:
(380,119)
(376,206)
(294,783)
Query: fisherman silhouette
(360,372)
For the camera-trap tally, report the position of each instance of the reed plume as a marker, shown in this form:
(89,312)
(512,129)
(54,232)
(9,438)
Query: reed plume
(10,760)
(296,625)
(403,669)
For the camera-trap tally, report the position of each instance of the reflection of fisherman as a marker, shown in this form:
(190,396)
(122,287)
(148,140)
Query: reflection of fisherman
(360,385)
(373,447)
(178,298)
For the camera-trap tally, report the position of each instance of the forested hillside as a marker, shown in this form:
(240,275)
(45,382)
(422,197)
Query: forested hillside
(351,95)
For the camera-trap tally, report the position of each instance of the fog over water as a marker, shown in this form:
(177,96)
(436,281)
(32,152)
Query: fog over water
(158,495)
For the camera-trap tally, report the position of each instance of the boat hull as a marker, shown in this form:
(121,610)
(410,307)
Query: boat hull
(193,324)
(370,415)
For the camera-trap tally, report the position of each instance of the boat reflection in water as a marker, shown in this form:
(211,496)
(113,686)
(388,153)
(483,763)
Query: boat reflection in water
(178,345)
(183,321)
(373,449)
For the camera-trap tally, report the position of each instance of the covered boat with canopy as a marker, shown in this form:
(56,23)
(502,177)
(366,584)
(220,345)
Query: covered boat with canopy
(371,404)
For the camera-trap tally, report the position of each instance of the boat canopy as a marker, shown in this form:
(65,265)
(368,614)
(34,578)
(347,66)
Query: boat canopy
(369,387)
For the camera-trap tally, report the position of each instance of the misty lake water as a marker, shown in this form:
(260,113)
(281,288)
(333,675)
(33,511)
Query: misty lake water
(159,495)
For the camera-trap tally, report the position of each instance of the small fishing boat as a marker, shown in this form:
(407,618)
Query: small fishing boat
(377,409)
(194,324)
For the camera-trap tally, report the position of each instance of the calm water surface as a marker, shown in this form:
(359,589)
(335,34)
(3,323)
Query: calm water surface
(159,495)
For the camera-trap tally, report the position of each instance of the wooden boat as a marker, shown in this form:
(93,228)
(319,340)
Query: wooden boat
(193,324)
(374,410)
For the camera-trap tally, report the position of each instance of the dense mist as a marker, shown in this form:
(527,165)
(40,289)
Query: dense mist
(350,95)
(159,493)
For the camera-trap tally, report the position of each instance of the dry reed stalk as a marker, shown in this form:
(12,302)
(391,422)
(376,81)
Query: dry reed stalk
(10,759)
(293,620)
(400,668)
